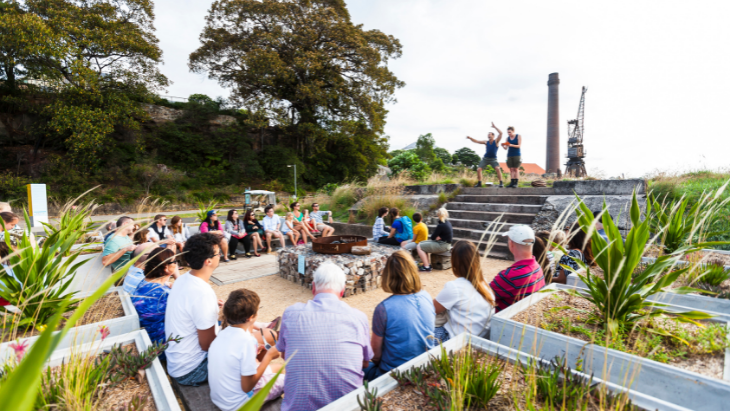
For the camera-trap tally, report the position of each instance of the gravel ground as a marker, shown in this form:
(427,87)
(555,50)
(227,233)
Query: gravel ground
(276,293)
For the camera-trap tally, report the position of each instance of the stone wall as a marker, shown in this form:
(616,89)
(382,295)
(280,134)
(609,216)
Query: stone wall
(557,206)
(363,271)
(600,187)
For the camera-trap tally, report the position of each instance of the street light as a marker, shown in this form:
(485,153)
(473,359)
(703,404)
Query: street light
(295,179)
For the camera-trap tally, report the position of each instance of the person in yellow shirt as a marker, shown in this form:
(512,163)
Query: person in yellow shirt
(420,233)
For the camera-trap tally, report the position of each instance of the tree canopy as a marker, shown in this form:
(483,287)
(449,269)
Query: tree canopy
(466,156)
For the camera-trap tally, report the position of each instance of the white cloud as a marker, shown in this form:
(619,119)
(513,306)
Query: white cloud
(657,74)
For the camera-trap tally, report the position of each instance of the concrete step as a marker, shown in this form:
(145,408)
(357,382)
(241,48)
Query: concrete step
(494,207)
(512,218)
(475,234)
(472,224)
(548,191)
(499,249)
(502,199)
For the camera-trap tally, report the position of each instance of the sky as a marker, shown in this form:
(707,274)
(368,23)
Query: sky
(657,73)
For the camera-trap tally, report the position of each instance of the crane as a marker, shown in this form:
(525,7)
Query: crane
(576,167)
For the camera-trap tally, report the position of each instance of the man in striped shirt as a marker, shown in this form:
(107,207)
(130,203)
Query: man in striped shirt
(522,278)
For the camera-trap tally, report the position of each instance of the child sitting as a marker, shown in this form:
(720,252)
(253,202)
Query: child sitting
(420,233)
(379,227)
(234,374)
(287,228)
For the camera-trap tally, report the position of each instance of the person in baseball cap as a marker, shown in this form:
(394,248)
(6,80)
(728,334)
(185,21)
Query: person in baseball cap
(524,277)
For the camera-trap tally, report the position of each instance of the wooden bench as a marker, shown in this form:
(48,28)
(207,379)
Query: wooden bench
(198,398)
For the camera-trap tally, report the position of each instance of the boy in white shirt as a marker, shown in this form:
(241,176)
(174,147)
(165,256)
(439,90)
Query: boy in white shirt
(234,374)
(271,227)
(192,312)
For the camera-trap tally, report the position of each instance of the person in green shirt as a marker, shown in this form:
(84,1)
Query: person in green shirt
(119,247)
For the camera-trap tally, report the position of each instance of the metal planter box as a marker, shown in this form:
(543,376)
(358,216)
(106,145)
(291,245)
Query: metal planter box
(90,332)
(661,381)
(386,383)
(162,393)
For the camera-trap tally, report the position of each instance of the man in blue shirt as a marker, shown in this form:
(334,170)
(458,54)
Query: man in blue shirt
(490,157)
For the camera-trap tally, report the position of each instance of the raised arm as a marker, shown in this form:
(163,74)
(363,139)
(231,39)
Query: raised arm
(499,132)
(476,141)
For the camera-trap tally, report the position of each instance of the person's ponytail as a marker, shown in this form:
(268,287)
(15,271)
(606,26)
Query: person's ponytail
(465,263)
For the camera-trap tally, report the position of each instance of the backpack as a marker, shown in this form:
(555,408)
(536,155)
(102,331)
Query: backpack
(407,233)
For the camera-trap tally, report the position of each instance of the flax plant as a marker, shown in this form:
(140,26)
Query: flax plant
(621,298)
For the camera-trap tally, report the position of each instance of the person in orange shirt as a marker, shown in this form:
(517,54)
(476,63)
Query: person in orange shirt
(420,233)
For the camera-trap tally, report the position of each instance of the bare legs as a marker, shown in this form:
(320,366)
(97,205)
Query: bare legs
(514,173)
(277,234)
(479,174)
(256,242)
(328,231)
(304,230)
(425,258)
(224,246)
(293,237)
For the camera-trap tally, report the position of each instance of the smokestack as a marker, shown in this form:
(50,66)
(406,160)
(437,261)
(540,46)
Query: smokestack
(552,159)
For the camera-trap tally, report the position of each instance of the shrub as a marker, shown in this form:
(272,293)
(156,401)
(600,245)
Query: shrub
(13,188)
(410,163)
(344,197)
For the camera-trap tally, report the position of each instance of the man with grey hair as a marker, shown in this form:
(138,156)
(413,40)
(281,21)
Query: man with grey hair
(331,341)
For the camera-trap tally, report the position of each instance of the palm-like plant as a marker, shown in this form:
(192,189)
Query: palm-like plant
(621,299)
(203,210)
(678,225)
(41,276)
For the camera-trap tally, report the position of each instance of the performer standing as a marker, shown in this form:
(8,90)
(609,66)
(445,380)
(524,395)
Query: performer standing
(490,157)
(514,159)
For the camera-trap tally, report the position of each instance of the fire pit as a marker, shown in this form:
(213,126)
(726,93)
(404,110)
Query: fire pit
(298,264)
(338,244)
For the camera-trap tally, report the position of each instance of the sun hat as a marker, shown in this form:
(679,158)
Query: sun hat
(521,234)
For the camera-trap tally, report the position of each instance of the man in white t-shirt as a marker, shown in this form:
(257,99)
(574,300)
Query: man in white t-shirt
(271,225)
(192,312)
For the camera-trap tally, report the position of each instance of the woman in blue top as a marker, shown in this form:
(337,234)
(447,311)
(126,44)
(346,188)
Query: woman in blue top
(403,324)
(150,299)
(514,159)
(396,227)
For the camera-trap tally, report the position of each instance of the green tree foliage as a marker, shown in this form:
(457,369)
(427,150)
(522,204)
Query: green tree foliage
(424,148)
(443,154)
(409,162)
(466,156)
(275,159)
(438,165)
(98,59)
(305,67)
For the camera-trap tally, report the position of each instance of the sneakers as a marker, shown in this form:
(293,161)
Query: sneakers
(478,184)
(424,268)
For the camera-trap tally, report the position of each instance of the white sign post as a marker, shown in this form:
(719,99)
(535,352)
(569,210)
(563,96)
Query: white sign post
(38,204)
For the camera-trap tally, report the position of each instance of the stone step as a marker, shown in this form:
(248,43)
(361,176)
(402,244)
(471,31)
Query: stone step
(473,225)
(512,218)
(548,191)
(494,207)
(499,249)
(502,199)
(476,234)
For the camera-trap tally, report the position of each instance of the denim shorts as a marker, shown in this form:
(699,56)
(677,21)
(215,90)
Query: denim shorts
(441,334)
(197,376)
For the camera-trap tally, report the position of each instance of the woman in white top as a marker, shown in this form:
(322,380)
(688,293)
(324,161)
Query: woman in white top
(467,301)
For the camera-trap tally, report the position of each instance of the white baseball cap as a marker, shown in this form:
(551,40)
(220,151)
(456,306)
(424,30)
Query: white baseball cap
(521,234)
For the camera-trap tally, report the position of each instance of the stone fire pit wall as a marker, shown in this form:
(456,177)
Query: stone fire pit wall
(363,271)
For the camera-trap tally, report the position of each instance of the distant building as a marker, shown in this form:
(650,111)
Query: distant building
(411,146)
(530,168)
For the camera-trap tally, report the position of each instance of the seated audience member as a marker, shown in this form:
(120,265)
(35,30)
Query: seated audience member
(271,227)
(5,207)
(213,226)
(150,297)
(134,275)
(287,228)
(598,215)
(420,233)
(400,229)
(237,232)
(299,223)
(233,368)
(192,311)
(468,300)
(11,221)
(379,226)
(181,234)
(403,324)
(119,247)
(255,230)
(161,234)
(440,240)
(544,257)
(524,277)
(142,242)
(331,342)
(579,248)
(317,222)
(110,228)
(4,263)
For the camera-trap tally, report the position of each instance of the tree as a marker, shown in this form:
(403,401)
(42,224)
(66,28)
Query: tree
(303,65)
(409,162)
(424,148)
(443,154)
(467,157)
(438,165)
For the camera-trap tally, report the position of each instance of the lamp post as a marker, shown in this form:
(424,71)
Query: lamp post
(295,179)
